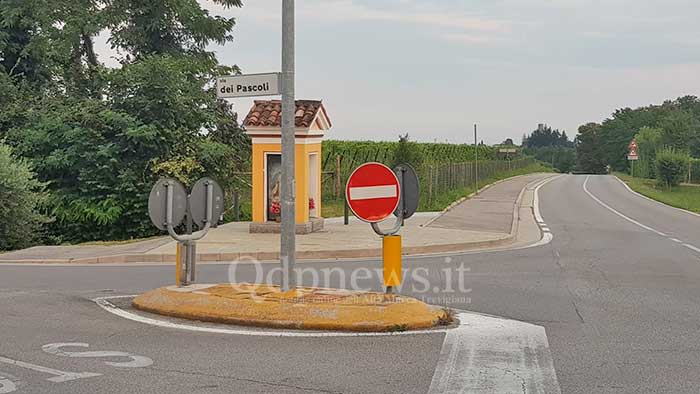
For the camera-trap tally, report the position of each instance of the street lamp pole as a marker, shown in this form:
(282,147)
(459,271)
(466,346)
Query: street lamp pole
(288,227)
(476,160)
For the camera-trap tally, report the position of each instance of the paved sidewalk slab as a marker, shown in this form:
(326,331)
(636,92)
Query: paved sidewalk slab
(488,220)
(491,210)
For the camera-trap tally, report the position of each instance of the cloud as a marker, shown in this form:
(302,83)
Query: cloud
(408,13)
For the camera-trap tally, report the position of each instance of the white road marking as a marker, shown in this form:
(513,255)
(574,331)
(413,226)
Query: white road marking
(692,247)
(483,354)
(104,303)
(678,241)
(370,192)
(136,361)
(611,209)
(495,355)
(7,386)
(654,201)
(59,376)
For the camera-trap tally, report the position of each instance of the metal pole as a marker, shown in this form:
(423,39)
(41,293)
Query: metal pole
(476,159)
(288,236)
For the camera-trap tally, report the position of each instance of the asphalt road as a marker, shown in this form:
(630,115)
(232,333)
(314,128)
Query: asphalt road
(618,291)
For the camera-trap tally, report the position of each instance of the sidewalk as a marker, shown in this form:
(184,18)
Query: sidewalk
(488,220)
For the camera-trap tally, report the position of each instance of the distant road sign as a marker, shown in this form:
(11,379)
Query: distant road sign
(633,150)
(373,192)
(250,85)
(507,150)
(198,202)
(410,190)
(158,203)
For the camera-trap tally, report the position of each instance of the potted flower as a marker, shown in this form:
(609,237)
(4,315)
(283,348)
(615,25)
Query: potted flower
(275,210)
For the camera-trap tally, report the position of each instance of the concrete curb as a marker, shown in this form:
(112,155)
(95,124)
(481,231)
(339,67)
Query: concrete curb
(314,255)
(305,309)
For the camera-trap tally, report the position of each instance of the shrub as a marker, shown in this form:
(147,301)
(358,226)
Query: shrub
(21,194)
(407,152)
(671,167)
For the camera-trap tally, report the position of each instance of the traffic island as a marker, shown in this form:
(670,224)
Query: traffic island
(303,308)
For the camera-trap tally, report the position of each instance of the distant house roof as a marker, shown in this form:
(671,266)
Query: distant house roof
(268,113)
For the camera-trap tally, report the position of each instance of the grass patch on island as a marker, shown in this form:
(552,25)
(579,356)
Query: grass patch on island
(684,196)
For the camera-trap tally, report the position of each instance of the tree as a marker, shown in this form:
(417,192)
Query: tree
(545,137)
(588,149)
(172,27)
(97,164)
(407,152)
(649,140)
(21,196)
(25,45)
(671,167)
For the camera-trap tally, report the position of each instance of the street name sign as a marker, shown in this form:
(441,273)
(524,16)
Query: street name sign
(373,192)
(251,85)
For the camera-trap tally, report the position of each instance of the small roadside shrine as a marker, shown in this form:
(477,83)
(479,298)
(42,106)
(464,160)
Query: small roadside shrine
(264,124)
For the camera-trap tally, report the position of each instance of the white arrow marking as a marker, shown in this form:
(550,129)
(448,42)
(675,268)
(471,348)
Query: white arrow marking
(370,192)
(59,376)
(6,386)
(136,361)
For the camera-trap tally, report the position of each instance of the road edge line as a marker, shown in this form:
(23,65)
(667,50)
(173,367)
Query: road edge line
(654,201)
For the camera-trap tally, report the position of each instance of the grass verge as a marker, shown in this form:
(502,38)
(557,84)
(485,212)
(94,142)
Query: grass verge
(684,196)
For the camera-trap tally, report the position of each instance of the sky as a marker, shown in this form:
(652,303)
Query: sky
(433,68)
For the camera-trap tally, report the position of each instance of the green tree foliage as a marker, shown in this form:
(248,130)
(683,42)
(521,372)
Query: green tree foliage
(21,196)
(407,152)
(587,150)
(100,137)
(171,27)
(97,163)
(560,158)
(671,167)
(679,121)
(649,140)
(551,146)
(546,137)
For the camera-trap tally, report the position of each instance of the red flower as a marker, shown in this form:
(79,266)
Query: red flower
(312,203)
(275,208)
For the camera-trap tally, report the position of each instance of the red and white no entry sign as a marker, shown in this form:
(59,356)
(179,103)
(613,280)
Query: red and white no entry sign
(372,192)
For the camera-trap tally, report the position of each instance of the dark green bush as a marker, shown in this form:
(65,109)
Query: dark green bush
(671,167)
(21,195)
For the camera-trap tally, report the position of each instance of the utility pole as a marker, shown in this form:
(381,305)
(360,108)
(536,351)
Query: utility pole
(288,228)
(476,161)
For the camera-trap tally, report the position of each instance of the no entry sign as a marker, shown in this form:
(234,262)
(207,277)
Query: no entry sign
(372,192)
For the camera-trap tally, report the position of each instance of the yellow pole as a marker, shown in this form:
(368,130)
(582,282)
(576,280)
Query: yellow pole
(391,256)
(178,264)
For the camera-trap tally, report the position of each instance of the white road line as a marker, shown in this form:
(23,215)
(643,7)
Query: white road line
(692,247)
(654,201)
(371,192)
(495,355)
(59,376)
(104,303)
(678,241)
(611,209)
